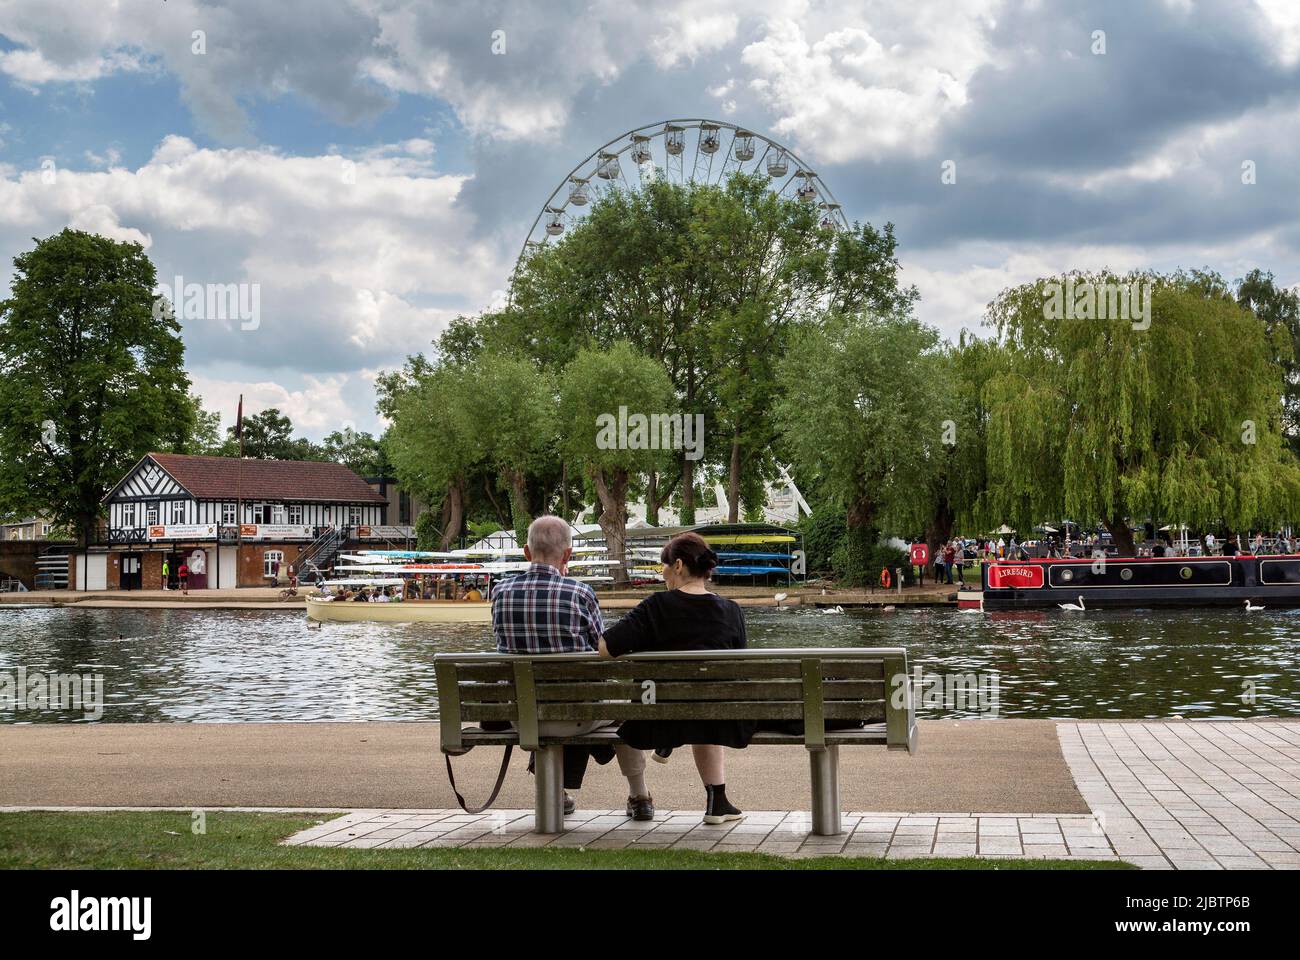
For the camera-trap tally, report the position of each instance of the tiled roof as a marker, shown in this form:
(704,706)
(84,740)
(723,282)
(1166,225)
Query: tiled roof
(221,478)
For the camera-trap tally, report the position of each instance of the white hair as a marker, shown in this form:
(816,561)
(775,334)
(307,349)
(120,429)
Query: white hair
(548,538)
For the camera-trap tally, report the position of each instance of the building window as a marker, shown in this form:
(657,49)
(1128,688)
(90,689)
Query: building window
(151,514)
(354,516)
(128,515)
(277,513)
(45,529)
(228,513)
(271,561)
(295,514)
(261,513)
(178,511)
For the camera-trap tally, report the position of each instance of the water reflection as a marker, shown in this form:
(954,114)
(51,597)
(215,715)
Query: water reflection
(227,665)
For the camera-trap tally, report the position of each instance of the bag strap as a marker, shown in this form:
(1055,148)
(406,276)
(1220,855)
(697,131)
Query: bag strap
(501,778)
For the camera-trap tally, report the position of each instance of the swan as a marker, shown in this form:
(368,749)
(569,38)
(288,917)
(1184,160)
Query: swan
(1072,606)
(779,597)
(1252,609)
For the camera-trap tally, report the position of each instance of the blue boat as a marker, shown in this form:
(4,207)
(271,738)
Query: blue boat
(746,570)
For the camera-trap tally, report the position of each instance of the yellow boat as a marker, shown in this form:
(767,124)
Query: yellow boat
(747,538)
(403,611)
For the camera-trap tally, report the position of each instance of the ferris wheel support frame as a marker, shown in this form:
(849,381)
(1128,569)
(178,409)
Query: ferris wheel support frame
(625,143)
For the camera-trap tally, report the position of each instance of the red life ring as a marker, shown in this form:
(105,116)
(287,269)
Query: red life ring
(884,577)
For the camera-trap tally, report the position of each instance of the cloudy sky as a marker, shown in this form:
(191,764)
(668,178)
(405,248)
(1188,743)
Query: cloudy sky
(373,165)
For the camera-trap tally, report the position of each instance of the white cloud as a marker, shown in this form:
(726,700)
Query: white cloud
(31,68)
(1280,29)
(359,261)
(315,409)
(868,90)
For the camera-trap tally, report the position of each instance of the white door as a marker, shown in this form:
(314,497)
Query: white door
(226,570)
(97,571)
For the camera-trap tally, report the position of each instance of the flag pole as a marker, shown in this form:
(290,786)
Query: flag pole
(239,489)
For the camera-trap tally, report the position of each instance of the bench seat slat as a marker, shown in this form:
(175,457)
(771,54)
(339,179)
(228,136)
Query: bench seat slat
(698,710)
(701,670)
(872,734)
(595,691)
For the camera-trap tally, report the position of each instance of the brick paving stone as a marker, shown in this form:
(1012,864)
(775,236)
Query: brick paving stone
(1046,850)
(1000,845)
(777,832)
(1204,794)
(954,849)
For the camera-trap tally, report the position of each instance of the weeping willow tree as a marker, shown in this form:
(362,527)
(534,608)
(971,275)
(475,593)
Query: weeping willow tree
(1169,409)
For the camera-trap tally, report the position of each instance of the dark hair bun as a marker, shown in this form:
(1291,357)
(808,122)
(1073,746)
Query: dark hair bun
(692,551)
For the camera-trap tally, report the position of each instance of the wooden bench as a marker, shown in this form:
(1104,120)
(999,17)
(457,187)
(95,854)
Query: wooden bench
(811,685)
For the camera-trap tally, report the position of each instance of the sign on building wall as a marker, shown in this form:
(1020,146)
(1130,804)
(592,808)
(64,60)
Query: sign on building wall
(275,531)
(183,531)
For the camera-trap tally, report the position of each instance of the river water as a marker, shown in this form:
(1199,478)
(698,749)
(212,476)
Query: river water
(226,665)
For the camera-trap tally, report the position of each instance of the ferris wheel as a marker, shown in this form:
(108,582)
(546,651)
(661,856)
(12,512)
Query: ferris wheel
(692,150)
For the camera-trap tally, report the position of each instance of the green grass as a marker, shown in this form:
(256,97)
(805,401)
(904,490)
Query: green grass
(163,840)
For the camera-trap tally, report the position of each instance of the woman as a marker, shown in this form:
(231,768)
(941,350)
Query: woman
(686,616)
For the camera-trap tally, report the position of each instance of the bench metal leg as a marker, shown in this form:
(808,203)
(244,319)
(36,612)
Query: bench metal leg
(548,808)
(825,791)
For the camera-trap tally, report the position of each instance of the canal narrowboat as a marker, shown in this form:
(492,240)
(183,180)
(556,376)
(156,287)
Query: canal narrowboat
(1138,582)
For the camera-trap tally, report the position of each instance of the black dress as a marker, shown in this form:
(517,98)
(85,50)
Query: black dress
(673,620)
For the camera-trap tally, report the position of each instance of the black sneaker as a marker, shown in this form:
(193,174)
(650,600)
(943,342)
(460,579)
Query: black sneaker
(570,805)
(641,808)
(717,808)
(662,754)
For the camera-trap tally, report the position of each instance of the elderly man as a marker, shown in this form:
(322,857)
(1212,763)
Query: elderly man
(543,611)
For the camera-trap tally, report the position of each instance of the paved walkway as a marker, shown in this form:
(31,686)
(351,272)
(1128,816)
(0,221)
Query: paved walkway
(786,833)
(1204,795)
(974,766)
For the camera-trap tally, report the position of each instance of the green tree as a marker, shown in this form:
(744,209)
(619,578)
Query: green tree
(435,442)
(92,376)
(1278,308)
(593,387)
(269,436)
(1113,420)
(860,412)
(515,406)
(204,438)
(359,451)
(454,425)
(709,281)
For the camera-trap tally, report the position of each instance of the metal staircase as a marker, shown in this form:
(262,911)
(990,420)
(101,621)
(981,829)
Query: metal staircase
(318,557)
(52,569)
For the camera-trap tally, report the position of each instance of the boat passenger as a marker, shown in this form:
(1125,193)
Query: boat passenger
(473,594)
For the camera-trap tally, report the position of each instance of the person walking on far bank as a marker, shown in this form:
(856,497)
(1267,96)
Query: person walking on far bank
(183,575)
(166,573)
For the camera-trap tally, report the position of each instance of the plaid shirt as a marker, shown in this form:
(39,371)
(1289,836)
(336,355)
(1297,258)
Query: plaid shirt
(543,611)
